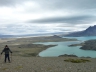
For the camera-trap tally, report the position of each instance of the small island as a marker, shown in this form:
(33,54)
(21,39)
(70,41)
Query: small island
(81,44)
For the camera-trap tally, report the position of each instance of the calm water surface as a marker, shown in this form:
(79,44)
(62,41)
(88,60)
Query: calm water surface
(62,48)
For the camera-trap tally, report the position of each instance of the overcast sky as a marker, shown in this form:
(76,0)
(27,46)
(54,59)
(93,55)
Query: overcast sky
(46,16)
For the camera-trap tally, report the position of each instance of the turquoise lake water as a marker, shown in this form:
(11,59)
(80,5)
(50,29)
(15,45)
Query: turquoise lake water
(62,48)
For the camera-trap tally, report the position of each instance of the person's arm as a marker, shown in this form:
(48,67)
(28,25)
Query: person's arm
(2,51)
(10,51)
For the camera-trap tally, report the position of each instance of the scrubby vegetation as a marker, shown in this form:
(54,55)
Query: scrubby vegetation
(66,55)
(77,60)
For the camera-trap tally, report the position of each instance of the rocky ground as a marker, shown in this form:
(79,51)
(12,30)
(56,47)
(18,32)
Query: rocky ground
(46,64)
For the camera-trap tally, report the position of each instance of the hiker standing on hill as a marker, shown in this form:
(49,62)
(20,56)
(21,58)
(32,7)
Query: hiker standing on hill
(6,50)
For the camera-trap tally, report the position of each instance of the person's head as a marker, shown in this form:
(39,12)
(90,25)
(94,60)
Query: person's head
(6,46)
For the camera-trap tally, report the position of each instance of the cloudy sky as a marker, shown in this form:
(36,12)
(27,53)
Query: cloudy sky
(46,16)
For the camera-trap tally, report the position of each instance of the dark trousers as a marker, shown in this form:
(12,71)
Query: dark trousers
(7,56)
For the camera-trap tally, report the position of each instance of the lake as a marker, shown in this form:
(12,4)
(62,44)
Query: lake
(62,48)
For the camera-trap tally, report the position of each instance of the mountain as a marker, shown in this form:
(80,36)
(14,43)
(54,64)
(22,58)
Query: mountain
(90,31)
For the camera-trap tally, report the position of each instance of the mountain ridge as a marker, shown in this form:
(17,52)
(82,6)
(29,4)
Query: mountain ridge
(90,31)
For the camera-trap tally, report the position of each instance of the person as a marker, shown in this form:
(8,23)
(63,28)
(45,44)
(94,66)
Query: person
(6,50)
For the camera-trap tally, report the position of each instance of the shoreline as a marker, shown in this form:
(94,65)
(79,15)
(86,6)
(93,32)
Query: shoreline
(43,50)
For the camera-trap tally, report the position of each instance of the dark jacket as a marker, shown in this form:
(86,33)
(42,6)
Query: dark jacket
(6,50)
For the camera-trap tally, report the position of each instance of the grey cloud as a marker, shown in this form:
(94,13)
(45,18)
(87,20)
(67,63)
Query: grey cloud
(7,2)
(56,4)
(10,2)
(63,4)
(70,20)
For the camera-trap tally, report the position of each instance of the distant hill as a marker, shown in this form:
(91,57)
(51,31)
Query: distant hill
(89,45)
(6,36)
(90,31)
(29,35)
